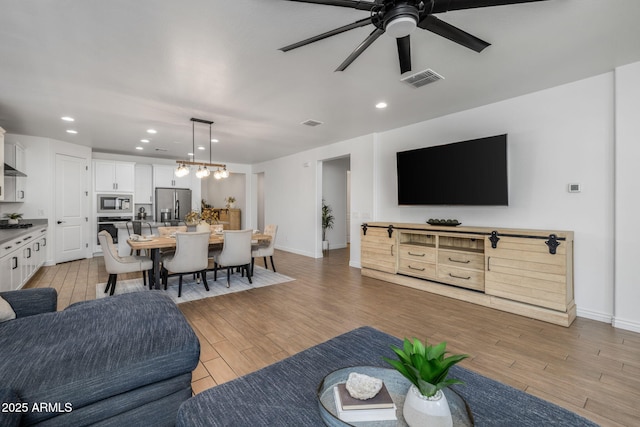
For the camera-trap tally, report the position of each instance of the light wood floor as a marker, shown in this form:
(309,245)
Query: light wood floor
(589,368)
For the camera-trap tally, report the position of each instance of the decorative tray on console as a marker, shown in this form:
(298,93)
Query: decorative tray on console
(445,222)
(397,386)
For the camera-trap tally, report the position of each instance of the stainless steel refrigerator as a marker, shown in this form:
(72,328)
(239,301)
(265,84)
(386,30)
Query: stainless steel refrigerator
(176,201)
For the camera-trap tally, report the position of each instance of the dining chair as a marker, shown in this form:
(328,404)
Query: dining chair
(265,251)
(190,257)
(115,264)
(169,231)
(135,227)
(236,252)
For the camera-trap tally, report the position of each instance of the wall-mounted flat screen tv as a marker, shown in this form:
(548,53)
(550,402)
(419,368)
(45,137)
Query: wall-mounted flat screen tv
(470,172)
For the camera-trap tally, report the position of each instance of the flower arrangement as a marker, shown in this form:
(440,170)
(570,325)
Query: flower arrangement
(425,365)
(230,201)
(208,215)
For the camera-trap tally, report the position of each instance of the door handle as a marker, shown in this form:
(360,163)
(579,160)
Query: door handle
(61,222)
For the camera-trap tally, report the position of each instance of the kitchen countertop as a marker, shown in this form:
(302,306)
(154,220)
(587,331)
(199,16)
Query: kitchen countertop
(14,233)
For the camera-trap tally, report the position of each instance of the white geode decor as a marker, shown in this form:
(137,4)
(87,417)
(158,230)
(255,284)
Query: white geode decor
(362,386)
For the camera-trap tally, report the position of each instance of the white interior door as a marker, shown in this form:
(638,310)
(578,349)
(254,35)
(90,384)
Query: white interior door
(71,182)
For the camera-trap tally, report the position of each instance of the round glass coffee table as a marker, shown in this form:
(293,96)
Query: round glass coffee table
(397,386)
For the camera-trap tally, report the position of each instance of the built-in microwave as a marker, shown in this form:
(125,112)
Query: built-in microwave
(115,203)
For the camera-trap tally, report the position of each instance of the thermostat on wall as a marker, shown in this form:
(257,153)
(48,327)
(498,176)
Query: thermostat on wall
(574,188)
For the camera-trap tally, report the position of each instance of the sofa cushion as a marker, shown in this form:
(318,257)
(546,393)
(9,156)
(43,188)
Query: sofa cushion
(6,312)
(96,350)
(10,414)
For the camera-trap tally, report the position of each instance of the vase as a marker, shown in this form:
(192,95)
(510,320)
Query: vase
(13,221)
(203,226)
(422,411)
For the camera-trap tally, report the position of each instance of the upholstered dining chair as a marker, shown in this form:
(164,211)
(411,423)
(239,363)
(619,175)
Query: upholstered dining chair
(265,251)
(168,231)
(236,252)
(136,227)
(115,264)
(191,257)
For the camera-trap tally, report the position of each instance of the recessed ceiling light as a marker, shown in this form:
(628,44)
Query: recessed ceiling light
(152,131)
(200,147)
(72,131)
(146,141)
(381,105)
(189,154)
(139,148)
(67,119)
(214,140)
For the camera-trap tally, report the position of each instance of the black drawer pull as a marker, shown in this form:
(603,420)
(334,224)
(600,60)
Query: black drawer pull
(458,261)
(412,254)
(418,269)
(459,277)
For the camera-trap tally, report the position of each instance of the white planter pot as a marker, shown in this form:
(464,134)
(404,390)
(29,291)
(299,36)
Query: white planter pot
(203,226)
(13,221)
(325,245)
(421,411)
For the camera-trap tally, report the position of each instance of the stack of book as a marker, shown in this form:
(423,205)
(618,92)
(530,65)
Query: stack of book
(378,408)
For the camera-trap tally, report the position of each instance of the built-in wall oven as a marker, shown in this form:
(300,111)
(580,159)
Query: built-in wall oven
(115,203)
(108,223)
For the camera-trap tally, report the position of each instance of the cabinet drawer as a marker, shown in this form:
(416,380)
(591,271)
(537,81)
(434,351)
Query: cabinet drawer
(418,253)
(472,279)
(415,268)
(463,259)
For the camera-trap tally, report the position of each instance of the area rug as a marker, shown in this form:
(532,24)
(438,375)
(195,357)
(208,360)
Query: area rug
(191,290)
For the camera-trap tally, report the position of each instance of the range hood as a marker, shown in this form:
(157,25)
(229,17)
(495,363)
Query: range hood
(11,171)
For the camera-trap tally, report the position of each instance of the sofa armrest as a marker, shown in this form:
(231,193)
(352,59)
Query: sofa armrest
(27,302)
(12,408)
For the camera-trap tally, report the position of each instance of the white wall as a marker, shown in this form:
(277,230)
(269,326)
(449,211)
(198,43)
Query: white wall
(557,136)
(293,195)
(627,197)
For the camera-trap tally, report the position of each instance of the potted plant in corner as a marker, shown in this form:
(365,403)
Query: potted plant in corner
(13,218)
(426,367)
(327,223)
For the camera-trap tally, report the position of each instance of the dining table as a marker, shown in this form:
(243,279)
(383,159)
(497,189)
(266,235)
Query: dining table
(154,244)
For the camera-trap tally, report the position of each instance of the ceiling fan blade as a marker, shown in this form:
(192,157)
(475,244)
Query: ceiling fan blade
(357,24)
(359,5)
(361,48)
(404,54)
(455,34)
(440,6)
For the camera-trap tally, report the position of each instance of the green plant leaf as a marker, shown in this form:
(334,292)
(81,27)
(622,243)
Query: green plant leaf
(427,389)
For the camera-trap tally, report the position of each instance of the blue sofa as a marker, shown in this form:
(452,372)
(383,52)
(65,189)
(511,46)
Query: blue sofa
(122,360)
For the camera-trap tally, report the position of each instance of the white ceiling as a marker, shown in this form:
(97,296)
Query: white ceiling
(120,67)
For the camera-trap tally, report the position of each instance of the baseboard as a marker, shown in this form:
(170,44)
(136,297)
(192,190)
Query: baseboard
(355,264)
(628,325)
(296,251)
(595,315)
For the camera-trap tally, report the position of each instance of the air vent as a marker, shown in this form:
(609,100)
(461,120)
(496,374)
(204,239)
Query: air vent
(422,78)
(311,123)
(161,149)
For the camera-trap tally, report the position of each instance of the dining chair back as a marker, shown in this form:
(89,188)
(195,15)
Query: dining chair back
(236,252)
(190,257)
(115,264)
(265,251)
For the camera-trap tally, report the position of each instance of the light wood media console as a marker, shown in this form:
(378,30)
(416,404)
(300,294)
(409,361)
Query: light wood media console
(526,272)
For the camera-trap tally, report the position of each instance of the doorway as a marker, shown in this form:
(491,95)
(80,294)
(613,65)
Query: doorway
(336,194)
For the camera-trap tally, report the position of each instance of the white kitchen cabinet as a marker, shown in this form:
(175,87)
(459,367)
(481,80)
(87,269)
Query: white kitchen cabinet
(21,257)
(164,176)
(10,273)
(15,185)
(111,176)
(144,184)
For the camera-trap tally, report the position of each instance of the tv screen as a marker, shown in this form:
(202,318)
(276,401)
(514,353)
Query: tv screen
(470,172)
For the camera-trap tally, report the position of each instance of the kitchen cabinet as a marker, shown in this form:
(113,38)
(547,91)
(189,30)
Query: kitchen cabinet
(114,177)
(21,257)
(143,184)
(14,156)
(164,176)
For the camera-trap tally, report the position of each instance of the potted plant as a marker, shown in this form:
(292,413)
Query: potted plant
(427,368)
(13,218)
(327,223)
(231,202)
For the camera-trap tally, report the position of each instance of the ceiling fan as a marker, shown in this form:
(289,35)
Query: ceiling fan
(398,18)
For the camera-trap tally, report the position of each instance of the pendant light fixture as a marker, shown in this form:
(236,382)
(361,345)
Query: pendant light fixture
(203,168)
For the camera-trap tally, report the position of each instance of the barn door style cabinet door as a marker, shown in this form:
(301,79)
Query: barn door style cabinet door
(379,248)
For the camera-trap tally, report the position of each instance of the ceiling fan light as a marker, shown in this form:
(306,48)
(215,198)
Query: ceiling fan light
(401,26)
